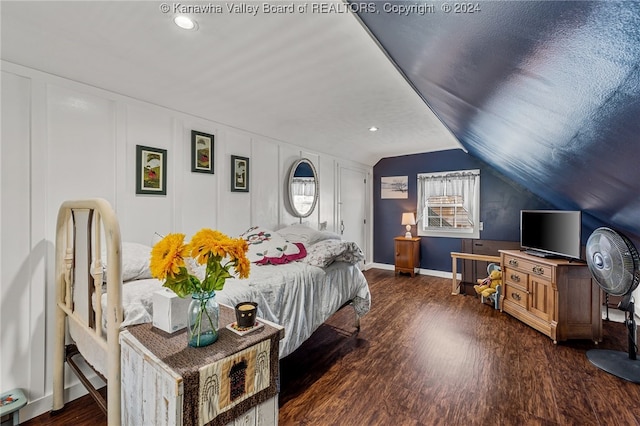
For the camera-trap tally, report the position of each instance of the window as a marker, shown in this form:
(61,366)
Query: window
(449,204)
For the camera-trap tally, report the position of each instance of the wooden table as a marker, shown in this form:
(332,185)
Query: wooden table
(166,382)
(455,289)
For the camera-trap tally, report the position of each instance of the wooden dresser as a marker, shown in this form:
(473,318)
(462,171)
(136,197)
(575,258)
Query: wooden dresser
(407,255)
(556,297)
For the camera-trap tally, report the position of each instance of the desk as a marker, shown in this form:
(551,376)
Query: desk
(454,265)
(166,382)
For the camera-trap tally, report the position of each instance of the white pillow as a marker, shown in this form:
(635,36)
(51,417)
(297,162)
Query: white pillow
(266,246)
(135,262)
(300,233)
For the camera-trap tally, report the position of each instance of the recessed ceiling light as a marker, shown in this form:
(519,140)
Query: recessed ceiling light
(185,22)
(373,129)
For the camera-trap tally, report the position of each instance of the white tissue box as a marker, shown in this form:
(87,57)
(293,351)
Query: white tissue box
(169,310)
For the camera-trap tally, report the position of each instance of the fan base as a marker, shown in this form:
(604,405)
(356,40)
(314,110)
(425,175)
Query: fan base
(617,363)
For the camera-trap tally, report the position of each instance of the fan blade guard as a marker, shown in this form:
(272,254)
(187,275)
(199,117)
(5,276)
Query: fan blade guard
(613,261)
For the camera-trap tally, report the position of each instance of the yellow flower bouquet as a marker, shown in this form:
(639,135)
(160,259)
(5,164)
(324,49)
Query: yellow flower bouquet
(170,262)
(207,247)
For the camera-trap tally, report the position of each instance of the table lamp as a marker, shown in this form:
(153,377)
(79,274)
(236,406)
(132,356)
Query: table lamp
(408,219)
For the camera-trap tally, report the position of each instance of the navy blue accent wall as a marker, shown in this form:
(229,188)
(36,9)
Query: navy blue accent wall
(500,203)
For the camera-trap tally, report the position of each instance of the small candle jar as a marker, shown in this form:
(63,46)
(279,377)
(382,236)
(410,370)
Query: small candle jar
(246,314)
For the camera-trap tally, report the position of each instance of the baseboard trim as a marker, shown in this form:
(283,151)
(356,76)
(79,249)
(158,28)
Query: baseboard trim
(43,405)
(431,272)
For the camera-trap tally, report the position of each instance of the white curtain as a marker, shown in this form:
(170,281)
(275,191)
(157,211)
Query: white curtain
(461,183)
(303,190)
(303,186)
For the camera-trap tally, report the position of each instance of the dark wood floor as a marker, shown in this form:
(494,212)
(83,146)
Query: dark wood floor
(425,357)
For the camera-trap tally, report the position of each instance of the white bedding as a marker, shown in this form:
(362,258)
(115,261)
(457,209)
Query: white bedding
(298,296)
(310,295)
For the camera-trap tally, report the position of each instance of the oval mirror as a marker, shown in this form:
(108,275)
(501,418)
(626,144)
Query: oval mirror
(303,188)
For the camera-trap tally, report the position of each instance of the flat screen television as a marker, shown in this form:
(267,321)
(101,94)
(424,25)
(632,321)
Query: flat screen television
(551,233)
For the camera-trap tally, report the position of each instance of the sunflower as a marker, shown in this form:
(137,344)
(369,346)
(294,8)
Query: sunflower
(206,243)
(242,267)
(167,256)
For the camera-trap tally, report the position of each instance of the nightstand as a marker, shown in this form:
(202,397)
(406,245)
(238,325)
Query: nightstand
(407,254)
(233,381)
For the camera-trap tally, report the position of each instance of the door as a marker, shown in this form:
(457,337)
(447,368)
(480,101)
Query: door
(540,298)
(352,206)
(404,254)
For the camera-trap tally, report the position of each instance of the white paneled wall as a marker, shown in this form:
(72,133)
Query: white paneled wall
(265,183)
(80,147)
(327,207)
(64,140)
(235,207)
(142,215)
(21,279)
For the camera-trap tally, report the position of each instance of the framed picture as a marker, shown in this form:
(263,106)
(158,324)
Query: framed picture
(151,170)
(201,152)
(239,174)
(394,187)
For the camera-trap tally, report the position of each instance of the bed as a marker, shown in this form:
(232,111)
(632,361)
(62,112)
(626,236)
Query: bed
(103,285)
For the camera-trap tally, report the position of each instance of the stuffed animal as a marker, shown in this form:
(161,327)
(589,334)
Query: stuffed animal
(488,285)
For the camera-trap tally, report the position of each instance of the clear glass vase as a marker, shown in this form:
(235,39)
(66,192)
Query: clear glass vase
(202,319)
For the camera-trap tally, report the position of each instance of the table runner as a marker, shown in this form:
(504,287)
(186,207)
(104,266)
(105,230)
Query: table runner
(222,363)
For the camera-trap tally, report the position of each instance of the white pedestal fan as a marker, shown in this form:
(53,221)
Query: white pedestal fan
(615,265)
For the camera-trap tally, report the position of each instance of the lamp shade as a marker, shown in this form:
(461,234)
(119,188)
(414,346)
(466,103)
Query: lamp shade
(408,219)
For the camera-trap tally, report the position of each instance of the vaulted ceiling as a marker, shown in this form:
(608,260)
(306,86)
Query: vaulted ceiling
(547,92)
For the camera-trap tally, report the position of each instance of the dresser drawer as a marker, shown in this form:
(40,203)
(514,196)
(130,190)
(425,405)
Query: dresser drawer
(515,276)
(517,295)
(539,270)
